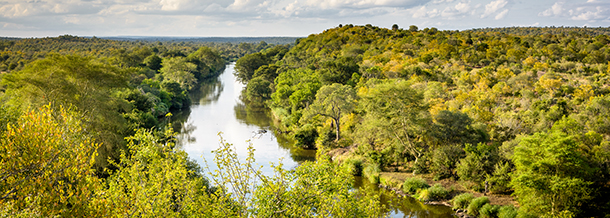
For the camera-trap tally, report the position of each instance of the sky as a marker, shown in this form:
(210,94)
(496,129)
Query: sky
(226,18)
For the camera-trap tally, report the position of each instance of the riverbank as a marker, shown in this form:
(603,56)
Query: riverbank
(393,181)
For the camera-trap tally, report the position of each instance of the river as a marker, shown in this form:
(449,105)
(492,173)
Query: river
(216,108)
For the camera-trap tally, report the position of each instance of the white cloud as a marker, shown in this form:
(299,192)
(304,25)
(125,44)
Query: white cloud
(423,12)
(501,14)
(555,10)
(591,11)
(334,4)
(494,6)
(590,15)
(459,10)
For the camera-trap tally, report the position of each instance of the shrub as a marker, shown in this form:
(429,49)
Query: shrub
(421,166)
(353,165)
(507,211)
(423,195)
(500,179)
(371,172)
(305,137)
(489,211)
(444,161)
(437,192)
(476,204)
(411,185)
(462,201)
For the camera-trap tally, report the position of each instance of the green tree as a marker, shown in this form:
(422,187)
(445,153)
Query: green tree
(332,101)
(245,66)
(258,90)
(395,112)
(552,173)
(178,70)
(152,180)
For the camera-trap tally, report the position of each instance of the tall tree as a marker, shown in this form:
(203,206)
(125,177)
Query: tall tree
(332,101)
(395,112)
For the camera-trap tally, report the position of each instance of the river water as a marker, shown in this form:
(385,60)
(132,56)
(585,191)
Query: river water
(216,108)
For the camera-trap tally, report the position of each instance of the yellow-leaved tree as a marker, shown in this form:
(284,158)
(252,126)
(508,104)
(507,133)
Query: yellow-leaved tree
(46,161)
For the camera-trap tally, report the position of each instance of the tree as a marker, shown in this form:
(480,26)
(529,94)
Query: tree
(258,89)
(81,82)
(396,112)
(46,165)
(552,173)
(332,101)
(178,70)
(152,180)
(245,66)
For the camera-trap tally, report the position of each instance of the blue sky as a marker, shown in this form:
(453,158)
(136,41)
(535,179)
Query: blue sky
(41,18)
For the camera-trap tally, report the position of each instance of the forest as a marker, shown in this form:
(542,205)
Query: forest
(85,123)
(522,110)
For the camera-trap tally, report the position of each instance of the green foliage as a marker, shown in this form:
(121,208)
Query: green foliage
(507,211)
(306,137)
(248,64)
(414,184)
(372,172)
(332,101)
(500,179)
(154,180)
(434,193)
(551,174)
(476,204)
(46,165)
(462,201)
(178,70)
(395,117)
(354,165)
(478,163)
(489,211)
(444,161)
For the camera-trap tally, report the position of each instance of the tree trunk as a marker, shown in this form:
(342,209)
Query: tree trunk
(337,129)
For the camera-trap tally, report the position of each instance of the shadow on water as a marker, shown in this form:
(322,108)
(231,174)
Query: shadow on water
(403,206)
(261,117)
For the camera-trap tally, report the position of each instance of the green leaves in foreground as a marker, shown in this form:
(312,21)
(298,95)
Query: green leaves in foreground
(313,189)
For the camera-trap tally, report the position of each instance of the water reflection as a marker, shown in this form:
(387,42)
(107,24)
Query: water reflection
(403,207)
(216,107)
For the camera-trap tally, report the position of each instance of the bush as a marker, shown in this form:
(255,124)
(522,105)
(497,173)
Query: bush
(423,195)
(500,179)
(507,211)
(371,172)
(489,211)
(462,201)
(421,166)
(305,137)
(437,192)
(476,204)
(411,185)
(353,165)
(444,161)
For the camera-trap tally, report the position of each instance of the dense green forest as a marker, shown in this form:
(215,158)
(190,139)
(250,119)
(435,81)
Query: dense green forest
(85,133)
(526,110)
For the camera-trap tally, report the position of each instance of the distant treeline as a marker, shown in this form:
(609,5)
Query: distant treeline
(538,31)
(270,40)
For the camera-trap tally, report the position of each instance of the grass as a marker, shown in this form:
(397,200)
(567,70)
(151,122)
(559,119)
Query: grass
(412,185)
(462,201)
(476,204)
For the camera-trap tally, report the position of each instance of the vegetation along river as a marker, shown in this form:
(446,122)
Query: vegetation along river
(216,108)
